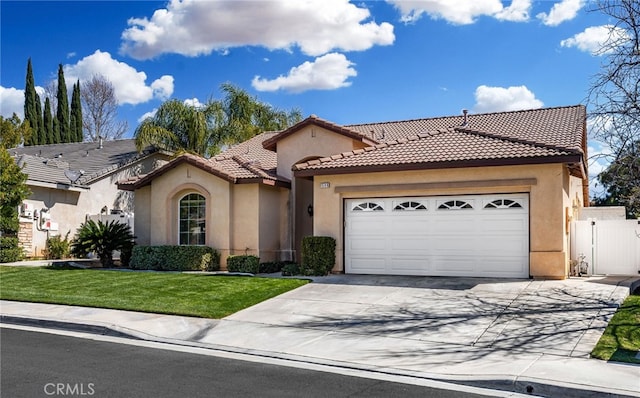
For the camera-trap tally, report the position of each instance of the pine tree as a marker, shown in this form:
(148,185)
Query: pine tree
(76,115)
(48,122)
(56,131)
(30,105)
(62,113)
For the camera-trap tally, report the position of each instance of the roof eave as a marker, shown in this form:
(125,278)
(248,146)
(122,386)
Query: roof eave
(572,158)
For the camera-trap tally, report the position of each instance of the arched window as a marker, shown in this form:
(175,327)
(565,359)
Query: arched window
(192,217)
(410,205)
(455,205)
(368,206)
(502,204)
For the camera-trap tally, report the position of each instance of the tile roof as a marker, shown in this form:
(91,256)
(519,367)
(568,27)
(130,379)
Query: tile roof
(244,163)
(365,137)
(443,148)
(519,137)
(536,135)
(47,163)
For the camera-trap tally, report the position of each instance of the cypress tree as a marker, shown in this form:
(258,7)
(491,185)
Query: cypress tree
(48,122)
(76,115)
(40,133)
(30,107)
(62,114)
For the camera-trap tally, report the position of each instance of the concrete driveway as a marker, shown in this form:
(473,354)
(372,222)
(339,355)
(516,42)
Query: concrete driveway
(431,318)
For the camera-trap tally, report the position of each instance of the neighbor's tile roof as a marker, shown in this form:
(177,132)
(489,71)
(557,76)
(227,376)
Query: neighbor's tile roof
(47,163)
(246,162)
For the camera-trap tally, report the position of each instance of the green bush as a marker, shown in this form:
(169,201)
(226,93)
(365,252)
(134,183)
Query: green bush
(290,269)
(10,249)
(318,255)
(125,254)
(244,263)
(102,239)
(175,258)
(57,248)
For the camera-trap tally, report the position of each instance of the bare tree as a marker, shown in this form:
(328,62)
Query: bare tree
(614,101)
(50,91)
(99,110)
(615,91)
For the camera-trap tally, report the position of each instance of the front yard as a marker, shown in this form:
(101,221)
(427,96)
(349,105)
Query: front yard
(206,296)
(621,340)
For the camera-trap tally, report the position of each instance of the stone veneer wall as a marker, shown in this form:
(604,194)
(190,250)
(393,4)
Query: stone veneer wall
(25,237)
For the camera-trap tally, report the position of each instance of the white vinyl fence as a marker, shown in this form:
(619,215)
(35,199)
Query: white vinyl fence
(611,247)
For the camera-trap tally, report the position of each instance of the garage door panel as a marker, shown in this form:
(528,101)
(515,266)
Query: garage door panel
(489,239)
(368,243)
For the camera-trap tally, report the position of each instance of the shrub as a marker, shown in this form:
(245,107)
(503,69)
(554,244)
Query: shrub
(290,269)
(175,258)
(10,249)
(57,248)
(102,239)
(318,255)
(244,263)
(125,254)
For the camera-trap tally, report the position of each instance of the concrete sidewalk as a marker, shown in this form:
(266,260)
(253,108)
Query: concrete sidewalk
(507,335)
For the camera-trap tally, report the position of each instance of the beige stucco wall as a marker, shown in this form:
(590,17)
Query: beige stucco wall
(241,218)
(69,207)
(548,248)
(312,141)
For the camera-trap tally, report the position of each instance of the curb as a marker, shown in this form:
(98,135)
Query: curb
(512,383)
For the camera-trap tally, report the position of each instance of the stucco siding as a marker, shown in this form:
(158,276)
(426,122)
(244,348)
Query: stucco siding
(245,219)
(544,183)
(269,224)
(142,204)
(309,142)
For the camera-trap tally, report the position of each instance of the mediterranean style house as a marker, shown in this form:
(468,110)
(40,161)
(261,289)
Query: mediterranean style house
(69,182)
(471,195)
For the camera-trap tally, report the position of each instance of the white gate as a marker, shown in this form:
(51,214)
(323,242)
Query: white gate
(610,246)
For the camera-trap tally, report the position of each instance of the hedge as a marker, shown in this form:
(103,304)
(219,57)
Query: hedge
(175,258)
(318,255)
(10,249)
(244,263)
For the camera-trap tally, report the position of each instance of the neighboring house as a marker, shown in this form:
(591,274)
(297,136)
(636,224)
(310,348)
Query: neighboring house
(71,181)
(473,195)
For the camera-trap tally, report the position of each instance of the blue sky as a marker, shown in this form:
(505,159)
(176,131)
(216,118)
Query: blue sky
(348,62)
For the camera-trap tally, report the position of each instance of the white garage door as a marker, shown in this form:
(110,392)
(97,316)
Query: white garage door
(471,235)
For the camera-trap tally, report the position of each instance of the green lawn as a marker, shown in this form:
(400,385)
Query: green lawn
(621,340)
(206,296)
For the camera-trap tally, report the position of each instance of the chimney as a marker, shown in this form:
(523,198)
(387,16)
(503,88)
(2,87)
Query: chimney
(465,121)
(99,142)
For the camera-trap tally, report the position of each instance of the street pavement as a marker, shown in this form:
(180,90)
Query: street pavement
(526,336)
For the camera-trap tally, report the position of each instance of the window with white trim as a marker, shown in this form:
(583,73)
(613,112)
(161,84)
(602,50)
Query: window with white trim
(503,204)
(192,218)
(455,205)
(368,206)
(410,206)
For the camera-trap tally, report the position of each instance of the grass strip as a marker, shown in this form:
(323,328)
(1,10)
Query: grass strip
(621,340)
(206,296)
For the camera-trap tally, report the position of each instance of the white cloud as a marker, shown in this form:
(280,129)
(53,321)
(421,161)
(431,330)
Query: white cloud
(11,101)
(194,102)
(129,84)
(192,28)
(565,10)
(147,115)
(462,12)
(328,72)
(518,11)
(595,39)
(498,99)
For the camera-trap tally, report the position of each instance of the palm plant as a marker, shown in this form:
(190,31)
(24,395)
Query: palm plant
(102,239)
(201,130)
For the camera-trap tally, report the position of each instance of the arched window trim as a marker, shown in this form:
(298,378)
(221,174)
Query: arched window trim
(455,204)
(409,205)
(192,225)
(368,206)
(503,204)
